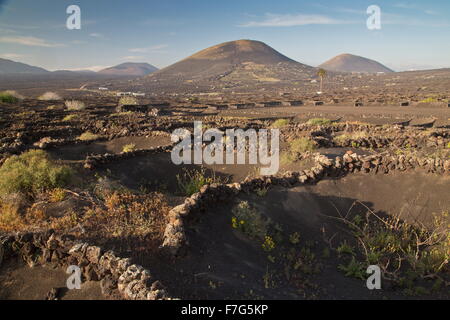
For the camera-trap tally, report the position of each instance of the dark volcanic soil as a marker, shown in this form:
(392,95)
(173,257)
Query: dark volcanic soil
(222,263)
(20,282)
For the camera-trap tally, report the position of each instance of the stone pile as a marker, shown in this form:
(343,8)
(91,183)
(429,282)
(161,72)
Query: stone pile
(95,161)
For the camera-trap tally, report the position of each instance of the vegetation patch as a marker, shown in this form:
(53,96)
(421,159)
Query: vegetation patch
(128,101)
(10,97)
(296,149)
(429,100)
(343,138)
(125,214)
(280,123)
(50,96)
(406,253)
(57,195)
(129,148)
(319,122)
(32,172)
(70,117)
(191,181)
(74,105)
(250,222)
(88,136)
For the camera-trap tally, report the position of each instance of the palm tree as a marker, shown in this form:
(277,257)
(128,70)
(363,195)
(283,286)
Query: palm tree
(321,73)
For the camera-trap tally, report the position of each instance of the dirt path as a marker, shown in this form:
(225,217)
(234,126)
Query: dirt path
(376,114)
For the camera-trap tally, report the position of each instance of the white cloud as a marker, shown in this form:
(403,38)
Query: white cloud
(431,12)
(133,58)
(12,56)
(155,48)
(289,20)
(395,19)
(30,41)
(96,35)
(411,6)
(405,5)
(91,68)
(76,42)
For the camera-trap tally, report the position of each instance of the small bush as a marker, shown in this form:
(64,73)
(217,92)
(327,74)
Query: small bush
(343,138)
(280,123)
(406,253)
(296,148)
(57,195)
(129,148)
(268,244)
(32,172)
(429,100)
(249,221)
(74,105)
(345,248)
(191,182)
(354,269)
(294,238)
(10,97)
(10,217)
(88,136)
(128,101)
(129,215)
(49,96)
(302,145)
(70,117)
(319,122)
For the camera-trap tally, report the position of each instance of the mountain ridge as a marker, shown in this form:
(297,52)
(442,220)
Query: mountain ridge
(352,63)
(9,67)
(242,60)
(130,69)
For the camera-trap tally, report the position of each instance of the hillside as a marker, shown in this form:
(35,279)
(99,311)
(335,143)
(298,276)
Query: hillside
(351,63)
(12,67)
(130,69)
(242,60)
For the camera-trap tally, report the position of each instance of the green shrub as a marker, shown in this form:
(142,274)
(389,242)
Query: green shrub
(70,117)
(429,100)
(75,105)
(88,136)
(129,147)
(354,269)
(319,122)
(302,145)
(407,252)
(32,172)
(191,182)
(341,139)
(10,97)
(296,148)
(249,221)
(280,123)
(128,101)
(49,96)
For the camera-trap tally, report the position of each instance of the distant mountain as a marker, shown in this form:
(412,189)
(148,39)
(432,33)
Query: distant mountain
(351,63)
(130,69)
(68,72)
(235,61)
(12,67)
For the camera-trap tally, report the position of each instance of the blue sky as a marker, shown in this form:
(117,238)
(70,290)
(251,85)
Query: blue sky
(414,35)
